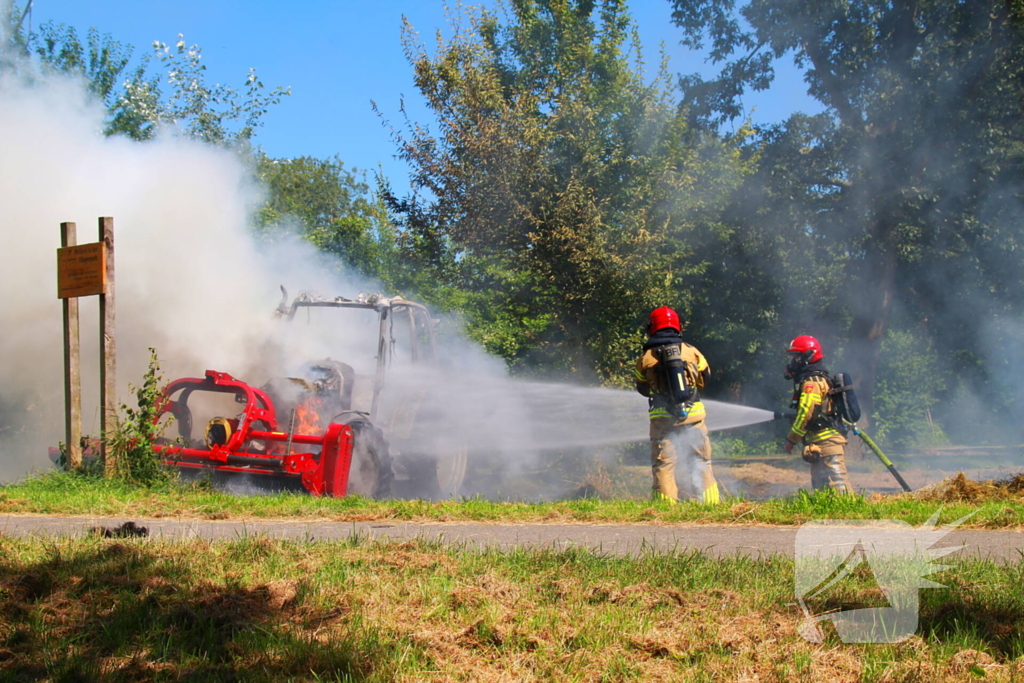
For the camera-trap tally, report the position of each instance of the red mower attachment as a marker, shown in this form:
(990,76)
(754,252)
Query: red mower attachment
(343,457)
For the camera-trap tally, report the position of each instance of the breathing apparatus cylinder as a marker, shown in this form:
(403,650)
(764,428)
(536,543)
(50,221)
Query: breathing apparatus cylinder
(674,367)
(844,398)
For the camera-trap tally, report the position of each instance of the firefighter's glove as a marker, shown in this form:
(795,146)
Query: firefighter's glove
(788,447)
(812,454)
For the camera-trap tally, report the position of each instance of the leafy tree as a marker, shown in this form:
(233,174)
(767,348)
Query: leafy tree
(909,387)
(213,113)
(769,277)
(13,46)
(101,60)
(914,165)
(334,207)
(561,189)
(139,103)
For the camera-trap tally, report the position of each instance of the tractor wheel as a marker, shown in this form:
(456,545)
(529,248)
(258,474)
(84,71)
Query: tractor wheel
(432,455)
(432,477)
(451,471)
(370,474)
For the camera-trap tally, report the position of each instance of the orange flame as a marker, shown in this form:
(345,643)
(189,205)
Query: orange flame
(307,418)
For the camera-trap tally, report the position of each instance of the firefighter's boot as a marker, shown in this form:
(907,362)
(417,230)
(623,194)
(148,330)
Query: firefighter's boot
(704,483)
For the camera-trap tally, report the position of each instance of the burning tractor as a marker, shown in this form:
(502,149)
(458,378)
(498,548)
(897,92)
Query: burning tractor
(334,430)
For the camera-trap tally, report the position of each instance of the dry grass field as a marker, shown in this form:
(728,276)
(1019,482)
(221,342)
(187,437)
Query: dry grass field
(262,610)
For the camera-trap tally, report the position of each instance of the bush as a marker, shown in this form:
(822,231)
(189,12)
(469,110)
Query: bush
(131,441)
(910,381)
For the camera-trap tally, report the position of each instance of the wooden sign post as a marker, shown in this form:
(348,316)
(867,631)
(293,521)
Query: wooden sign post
(72,362)
(108,347)
(87,270)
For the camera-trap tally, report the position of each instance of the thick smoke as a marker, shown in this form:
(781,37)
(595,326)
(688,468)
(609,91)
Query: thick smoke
(193,283)
(187,275)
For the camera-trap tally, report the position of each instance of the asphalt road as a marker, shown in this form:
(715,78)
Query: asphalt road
(612,539)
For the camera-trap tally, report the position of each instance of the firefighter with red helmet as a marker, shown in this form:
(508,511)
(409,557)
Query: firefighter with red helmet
(671,374)
(814,423)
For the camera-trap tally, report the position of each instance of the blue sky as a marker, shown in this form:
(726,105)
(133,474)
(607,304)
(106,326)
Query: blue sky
(338,55)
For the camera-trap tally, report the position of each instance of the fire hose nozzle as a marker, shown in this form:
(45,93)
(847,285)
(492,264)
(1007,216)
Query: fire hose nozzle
(787,415)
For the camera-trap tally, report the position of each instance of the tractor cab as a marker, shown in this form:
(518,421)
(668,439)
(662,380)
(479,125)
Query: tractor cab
(390,350)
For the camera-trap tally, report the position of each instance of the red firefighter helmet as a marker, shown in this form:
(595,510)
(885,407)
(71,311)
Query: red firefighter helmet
(808,347)
(661,318)
(802,351)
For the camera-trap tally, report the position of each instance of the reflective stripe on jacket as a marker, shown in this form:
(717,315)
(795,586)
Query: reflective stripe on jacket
(812,401)
(648,373)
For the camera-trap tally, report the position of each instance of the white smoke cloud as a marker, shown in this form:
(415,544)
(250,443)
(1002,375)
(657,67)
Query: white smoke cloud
(189,279)
(192,282)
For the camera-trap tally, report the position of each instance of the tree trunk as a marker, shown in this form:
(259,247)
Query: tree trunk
(872,308)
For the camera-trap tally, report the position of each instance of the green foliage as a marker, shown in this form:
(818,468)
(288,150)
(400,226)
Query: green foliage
(138,105)
(903,190)
(131,442)
(216,113)
(910,383)
(333,206)
(735,447)
(101,60)
(13,38)
(770,274)
(562,192)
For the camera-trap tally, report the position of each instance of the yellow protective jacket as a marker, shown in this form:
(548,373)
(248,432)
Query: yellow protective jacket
(650,380)
(813,404)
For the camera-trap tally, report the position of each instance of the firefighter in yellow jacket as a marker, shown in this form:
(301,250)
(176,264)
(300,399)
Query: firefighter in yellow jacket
(671,374)
(814,423)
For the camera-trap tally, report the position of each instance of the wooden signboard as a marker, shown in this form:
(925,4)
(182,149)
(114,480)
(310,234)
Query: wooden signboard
(81,270)
(88,270)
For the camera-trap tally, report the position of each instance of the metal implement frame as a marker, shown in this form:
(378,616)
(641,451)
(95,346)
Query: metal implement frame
(388,310)
(323,474)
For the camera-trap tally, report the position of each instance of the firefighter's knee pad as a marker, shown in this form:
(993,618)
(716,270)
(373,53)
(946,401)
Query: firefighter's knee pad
(663,453)
(812,453)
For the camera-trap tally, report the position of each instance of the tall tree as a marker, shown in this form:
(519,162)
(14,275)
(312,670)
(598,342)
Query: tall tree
(139,103)
(922,134)
(215,113)
(561,185)
(333,206)
(13,33)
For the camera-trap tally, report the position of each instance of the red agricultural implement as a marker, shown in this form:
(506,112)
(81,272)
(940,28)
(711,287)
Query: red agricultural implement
(338,458)
(322,432)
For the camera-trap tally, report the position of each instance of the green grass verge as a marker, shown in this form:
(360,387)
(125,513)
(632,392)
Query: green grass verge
(256,609)
(65,494)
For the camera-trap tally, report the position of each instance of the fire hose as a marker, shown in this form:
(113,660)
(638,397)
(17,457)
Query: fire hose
(869,442)
(881,456)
